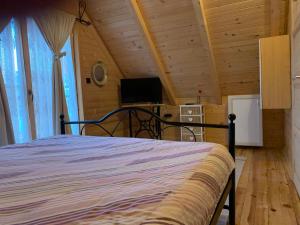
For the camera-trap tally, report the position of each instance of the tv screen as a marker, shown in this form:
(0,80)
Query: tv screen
(141,90)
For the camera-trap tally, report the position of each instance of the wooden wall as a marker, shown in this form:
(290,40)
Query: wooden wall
(97,101)
(292,121)
(273,128)
(288,147)
(216,114)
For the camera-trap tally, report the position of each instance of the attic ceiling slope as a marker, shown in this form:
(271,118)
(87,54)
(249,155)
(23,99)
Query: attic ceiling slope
(164,77)
(235,28)
(175,32)
(115,23)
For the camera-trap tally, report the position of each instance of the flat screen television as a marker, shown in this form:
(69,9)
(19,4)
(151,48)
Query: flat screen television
(141,90)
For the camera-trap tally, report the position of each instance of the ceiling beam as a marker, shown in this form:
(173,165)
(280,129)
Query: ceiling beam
(205,38)
(164,77)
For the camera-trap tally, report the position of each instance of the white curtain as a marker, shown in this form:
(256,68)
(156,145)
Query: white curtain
(41,58)
(6,132)
(6,128)
(13,83)
(56,27)
(69,80)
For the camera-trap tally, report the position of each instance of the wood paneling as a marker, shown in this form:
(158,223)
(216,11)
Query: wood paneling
(121,33)
(176,32)
(275,72)
(287,150)
(164,77)
(292,121)
(176,37)
(273,128)
(97,101)
(207,46)
(216,114)
(235,27)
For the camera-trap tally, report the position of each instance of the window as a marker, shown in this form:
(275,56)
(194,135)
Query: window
(41,60)
(69,81)
(12,66)
(41,63)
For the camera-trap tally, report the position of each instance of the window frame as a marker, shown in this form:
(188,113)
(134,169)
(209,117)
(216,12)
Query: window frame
(18,22)
(76,62)
(22,21)
(26,60)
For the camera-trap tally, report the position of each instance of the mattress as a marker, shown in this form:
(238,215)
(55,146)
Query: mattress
(105,180)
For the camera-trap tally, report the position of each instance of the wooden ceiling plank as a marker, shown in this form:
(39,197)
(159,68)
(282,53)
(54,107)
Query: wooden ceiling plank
(206,41)
(164,77)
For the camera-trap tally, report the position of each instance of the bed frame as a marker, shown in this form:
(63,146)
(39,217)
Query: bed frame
(152,125)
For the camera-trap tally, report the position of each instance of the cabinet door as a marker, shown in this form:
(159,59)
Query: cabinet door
(248,119)
(275,72)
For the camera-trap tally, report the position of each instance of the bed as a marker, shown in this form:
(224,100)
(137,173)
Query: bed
(112,180)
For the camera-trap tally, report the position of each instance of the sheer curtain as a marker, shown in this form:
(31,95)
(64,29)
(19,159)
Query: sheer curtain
(6,129)
(41,60)
(12,67)
(69,82)
(56,27)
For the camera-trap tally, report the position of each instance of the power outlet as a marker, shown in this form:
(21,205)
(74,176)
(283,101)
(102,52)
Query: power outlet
(88,80)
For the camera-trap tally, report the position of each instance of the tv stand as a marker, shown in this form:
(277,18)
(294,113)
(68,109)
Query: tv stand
(155,108)
(141,105)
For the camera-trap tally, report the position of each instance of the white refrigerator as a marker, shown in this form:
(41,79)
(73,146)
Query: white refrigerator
(249,128)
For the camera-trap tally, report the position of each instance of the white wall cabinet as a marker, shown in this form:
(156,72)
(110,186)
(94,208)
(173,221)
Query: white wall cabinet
(249,131)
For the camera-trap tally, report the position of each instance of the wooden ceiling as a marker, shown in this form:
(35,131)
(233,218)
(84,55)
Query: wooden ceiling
(235,28)
(196,47)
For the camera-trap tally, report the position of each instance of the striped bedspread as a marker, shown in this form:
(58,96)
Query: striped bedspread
(104,180)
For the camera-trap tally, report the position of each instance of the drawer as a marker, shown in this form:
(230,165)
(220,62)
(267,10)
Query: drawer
(190,110)
(190,138)
(196,130)
(190,119)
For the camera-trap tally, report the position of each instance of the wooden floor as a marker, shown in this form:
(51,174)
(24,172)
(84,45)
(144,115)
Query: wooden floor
(265,194)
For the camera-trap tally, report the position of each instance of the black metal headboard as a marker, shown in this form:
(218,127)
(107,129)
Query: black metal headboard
(151,123)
